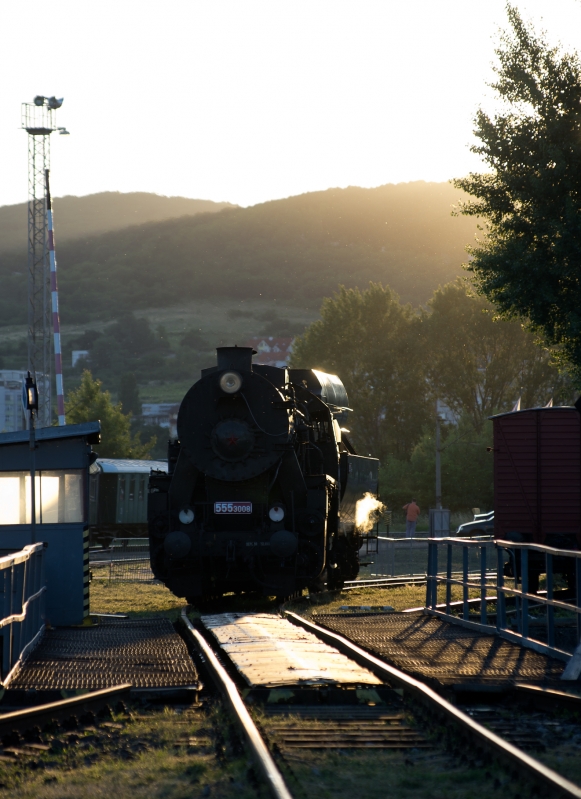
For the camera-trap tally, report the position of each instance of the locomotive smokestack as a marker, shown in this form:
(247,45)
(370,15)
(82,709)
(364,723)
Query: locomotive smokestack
(239,358)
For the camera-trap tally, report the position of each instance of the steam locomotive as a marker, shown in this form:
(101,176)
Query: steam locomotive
(262,485)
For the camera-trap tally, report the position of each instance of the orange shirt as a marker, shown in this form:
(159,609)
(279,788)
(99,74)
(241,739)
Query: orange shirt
(413,511)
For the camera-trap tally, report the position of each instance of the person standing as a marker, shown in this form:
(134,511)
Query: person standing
(412,512)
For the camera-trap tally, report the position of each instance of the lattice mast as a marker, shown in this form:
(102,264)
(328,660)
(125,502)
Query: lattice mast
(39,121)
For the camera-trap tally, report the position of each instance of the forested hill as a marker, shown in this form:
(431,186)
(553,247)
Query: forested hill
(299,249)
(99,213)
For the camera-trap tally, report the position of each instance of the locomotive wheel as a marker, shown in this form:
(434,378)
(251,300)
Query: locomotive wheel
(280,600)
(204,602)
(317,586)
(335,579)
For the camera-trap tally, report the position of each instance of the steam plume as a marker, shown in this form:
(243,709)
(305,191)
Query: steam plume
(366,512)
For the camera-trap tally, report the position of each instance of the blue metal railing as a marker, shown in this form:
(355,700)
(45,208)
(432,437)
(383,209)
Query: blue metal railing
(22,595)
(401,557)
(512,624)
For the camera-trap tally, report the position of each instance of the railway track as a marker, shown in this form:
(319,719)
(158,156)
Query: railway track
(392,715)
(21,730)
(410,716)
(402,579)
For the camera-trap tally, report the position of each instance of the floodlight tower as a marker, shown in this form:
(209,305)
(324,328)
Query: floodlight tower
(39,121)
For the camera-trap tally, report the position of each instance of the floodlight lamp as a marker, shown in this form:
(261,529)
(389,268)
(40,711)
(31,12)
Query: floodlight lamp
(39,99)
(63,132)
(55,103)
(30,394)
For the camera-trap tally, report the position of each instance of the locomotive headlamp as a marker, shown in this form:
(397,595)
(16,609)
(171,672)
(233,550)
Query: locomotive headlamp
(230,382)
(276,513)
(186,516)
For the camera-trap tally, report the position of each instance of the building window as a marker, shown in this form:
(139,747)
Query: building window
(58,497)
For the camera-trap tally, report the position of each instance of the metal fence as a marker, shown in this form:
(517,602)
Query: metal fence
(408,557)
(22,598)
(536,620)
(128,561)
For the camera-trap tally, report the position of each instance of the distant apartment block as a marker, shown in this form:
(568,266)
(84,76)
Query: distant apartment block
(11,414)
(271,351)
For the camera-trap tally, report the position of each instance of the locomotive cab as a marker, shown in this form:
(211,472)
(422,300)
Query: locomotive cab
(259,494)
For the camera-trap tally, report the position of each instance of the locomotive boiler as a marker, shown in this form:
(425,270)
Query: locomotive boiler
(262,485)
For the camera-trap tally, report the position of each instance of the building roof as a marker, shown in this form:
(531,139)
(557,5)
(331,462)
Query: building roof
(271,343)
(127,466)
(529,410)
(89,430)
(271,351)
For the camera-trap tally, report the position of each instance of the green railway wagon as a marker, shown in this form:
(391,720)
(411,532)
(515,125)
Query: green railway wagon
(118,498)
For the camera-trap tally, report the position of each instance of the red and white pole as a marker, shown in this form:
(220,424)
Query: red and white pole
(58,360)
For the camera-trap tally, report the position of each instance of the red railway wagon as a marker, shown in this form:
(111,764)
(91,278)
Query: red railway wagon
(537,476)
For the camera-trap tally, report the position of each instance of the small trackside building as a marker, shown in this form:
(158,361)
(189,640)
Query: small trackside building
(63,456)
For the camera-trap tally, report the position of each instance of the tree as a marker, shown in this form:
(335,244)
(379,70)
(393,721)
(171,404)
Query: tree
(89,403)
(479,365)
(466,470)
(528,261)
(129,394)
(373,344)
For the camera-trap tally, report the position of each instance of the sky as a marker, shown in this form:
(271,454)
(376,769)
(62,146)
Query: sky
(247,101)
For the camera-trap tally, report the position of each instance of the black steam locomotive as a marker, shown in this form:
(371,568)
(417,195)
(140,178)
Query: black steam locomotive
(262,486)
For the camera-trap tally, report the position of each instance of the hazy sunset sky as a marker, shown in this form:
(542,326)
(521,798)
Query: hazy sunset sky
(251,100)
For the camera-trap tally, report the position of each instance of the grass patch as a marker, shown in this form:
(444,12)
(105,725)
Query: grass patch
(400,597)
(134,599)
(344,774)
(153,599)
(159,754)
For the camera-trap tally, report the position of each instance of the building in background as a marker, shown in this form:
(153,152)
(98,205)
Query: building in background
(271,351)
(12,416)
(80,355)
(164,414)
(446,413)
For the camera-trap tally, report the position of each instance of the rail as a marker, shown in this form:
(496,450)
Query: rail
(22,598)
(262,756)
(37,716)
(481,738)
(525,561)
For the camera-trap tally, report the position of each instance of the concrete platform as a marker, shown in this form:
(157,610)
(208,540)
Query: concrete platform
(269,651)
(445,654)
(148,653)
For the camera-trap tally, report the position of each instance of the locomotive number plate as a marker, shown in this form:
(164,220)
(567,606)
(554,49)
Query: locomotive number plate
(232,507)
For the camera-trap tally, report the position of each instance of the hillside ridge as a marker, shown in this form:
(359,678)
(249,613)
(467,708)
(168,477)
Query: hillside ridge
(100,213)
(299,249)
